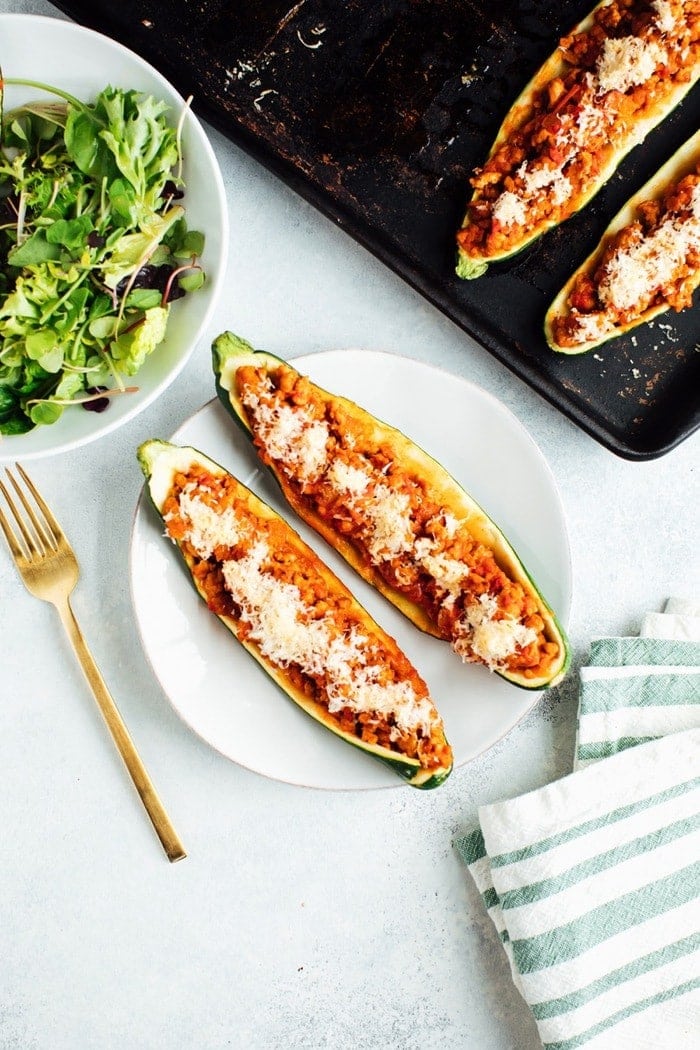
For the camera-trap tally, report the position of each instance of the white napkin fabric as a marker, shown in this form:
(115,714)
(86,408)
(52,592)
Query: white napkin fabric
(593,882)
(671,625)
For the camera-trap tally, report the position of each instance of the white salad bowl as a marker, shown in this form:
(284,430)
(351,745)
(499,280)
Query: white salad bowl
(82,62)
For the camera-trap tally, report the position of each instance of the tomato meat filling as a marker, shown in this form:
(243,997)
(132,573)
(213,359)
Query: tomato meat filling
(283,602)
(651,263)
(329,457)
(613,81)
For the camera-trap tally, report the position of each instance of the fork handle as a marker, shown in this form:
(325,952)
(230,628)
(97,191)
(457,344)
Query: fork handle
(120,734)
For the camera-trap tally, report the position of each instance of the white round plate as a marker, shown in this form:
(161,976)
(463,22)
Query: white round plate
(83,62)
(215,685)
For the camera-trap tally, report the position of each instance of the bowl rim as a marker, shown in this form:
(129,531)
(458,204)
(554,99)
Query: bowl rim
(11,445)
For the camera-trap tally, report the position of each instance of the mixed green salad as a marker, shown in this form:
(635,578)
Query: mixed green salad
(94,247)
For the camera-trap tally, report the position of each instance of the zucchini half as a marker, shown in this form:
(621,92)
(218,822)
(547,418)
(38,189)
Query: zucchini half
(231,353)
(473,264)
(685,161)
(160,462)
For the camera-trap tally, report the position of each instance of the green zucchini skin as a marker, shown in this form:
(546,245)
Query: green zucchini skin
(230,352)
(159,461)
(470,266)
(685,160)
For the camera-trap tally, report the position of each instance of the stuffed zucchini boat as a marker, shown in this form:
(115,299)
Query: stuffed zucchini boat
(648,261)
(610,81)
(294,616)
(395,515)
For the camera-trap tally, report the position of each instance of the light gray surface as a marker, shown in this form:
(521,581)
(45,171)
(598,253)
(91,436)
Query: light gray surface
(301,918)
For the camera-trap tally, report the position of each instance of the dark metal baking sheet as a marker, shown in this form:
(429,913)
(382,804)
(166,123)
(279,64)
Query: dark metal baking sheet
(376,111)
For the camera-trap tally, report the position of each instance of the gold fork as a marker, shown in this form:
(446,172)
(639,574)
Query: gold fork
(49,570)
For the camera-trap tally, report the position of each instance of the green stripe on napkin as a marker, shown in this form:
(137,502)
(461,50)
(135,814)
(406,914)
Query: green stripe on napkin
(621,1015)
(586,826)
(639,690)
(667,954)
(580,935)
(471,846)
(592,865)
(618,652)
(634,690)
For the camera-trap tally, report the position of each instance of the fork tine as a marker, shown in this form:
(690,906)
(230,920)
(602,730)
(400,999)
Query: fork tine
(31,542)
(13,543)
(47,531)
(56,530)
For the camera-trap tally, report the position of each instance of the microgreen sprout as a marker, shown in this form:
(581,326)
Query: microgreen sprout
(86,398)
(94,247)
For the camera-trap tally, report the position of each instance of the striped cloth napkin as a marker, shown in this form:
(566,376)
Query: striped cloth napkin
(637,689)
(593,882)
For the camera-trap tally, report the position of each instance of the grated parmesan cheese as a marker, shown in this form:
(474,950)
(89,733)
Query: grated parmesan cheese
(581,128)
(665,18)
(626,62)
(592,326)
(636,273)
(493,641)
(208,527)
(542,178)
(312,449)
(390,518)
(279,624)
(509,209)
(348,479)
(291,435)
(447,572)
(450,523)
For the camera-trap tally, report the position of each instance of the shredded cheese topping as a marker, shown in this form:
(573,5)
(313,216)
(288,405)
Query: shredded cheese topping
(289,633)
(383,520)
(636,272)
(347,479)
(292,434)
(665,18)
(509,209)
(626,62)
(492,640)
(594,120)
(643,270)
(208,527)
